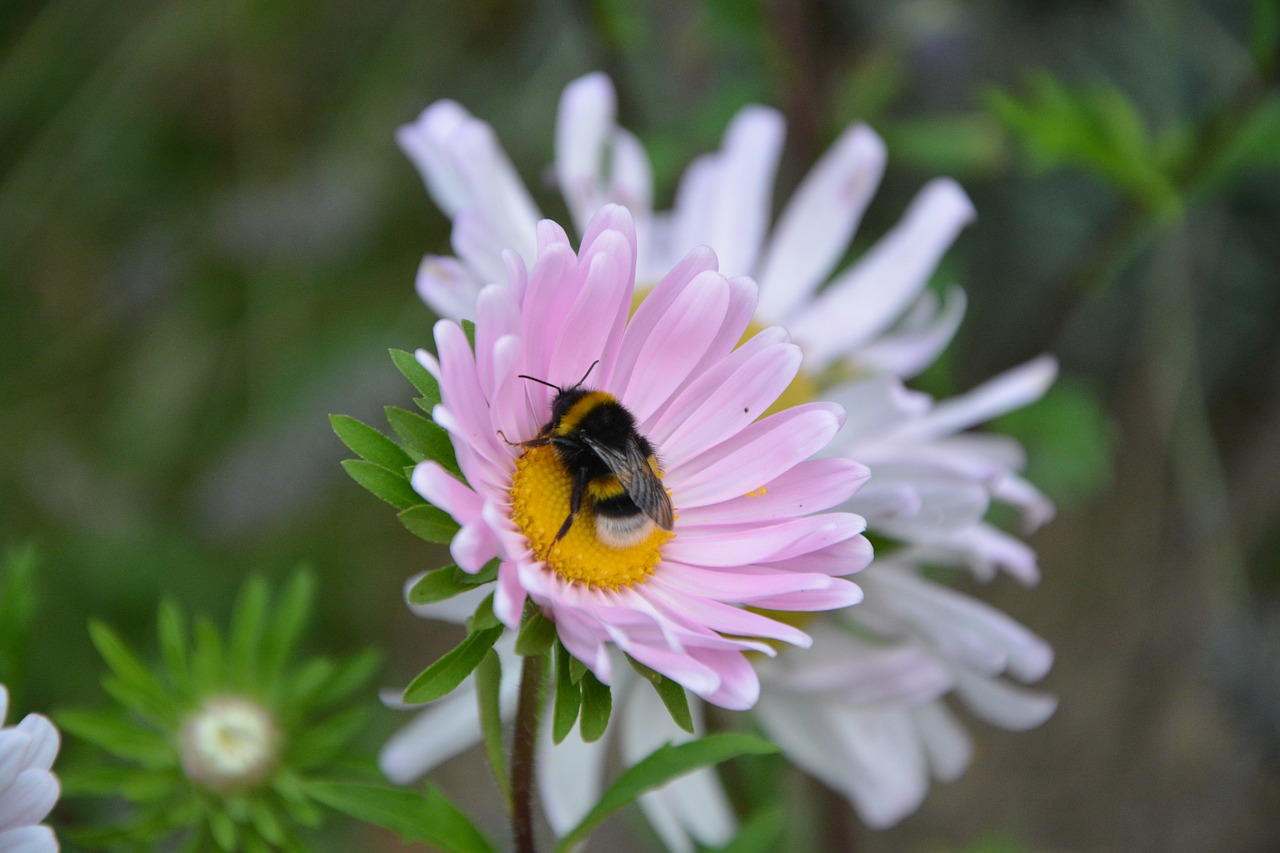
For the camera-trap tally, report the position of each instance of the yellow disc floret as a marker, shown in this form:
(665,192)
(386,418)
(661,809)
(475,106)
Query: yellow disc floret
(540,493)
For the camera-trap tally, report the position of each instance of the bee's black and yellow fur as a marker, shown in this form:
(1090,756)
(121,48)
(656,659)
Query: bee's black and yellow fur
(613,466)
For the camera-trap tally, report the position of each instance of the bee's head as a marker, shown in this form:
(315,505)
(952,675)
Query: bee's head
(565,397)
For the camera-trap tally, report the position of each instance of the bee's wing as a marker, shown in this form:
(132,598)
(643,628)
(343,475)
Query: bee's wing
(630,464)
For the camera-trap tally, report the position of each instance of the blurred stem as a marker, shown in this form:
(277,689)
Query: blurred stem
(523,751)
(1182,423)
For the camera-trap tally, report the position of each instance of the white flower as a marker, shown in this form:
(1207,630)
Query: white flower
(28,790)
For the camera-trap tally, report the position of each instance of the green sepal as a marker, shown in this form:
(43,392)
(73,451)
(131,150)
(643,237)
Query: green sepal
(536,634)
(489,706)
(664,764)
(568,696)
(424,437)
(391,486)
(469,329)
(430,523)
(448,672)
(244,640)
(367,443)
(597,705)
(670,692)
(421,379)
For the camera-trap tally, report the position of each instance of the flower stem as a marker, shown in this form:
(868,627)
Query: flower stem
(523,750)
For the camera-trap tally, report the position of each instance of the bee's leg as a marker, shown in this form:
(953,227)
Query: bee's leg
(575,503)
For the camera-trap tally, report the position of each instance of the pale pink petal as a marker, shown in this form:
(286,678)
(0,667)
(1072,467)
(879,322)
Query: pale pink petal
(631,183)
(499,194)
(676,345)
(736,403)
(442,489)
(739,687)
(815,228)
(479,247)
(840,558)
(811,486)
(755,456)
(733,545)
(605,296)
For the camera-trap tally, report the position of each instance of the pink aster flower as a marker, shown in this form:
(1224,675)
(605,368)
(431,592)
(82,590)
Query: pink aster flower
(28,790)
(744,489)
(864,329)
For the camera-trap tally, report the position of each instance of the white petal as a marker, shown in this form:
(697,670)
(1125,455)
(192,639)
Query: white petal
(570,777)
(864,301)
(1011,390)
(448,288)
(32,796)
(29,839)
(945,741)
(690,806)
(584,123)
(915,343)
(1003,704)
(423,143)
(743,200)
(815,228)
(446,728)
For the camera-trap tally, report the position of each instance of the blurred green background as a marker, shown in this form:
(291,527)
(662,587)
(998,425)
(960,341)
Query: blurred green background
(208,241)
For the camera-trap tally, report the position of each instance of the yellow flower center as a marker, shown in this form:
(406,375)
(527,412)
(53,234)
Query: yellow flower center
(540,493)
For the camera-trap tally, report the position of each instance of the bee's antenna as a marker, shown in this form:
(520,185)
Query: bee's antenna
(559,390)
(588,373)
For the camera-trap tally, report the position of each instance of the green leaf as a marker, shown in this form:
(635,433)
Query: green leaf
(664,764)
(568,696)
(426,818)
(244,642)
(430,523)
(320,743)
(422,380)
(119,736)
(469,329)
(18,604)
(443,584)
(147,694)
(489,705)
(391,486)
(761,834)
(349,676)
(171,628)
(670,692)
(448,672)
(288,621)
(424,437)
(483,618)
(207,657)
(367,443)
(597,705)
(577,669)
(536,634)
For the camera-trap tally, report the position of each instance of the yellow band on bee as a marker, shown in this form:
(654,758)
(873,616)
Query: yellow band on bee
(603,488)
(580,409)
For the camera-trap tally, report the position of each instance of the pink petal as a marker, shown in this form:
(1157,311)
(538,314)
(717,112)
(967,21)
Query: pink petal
(677,343)
(756,455)
(602,304)
(735,546)
(442,489)
(811,486)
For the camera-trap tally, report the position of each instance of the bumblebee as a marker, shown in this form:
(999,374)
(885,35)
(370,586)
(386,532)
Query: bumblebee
(613,466)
